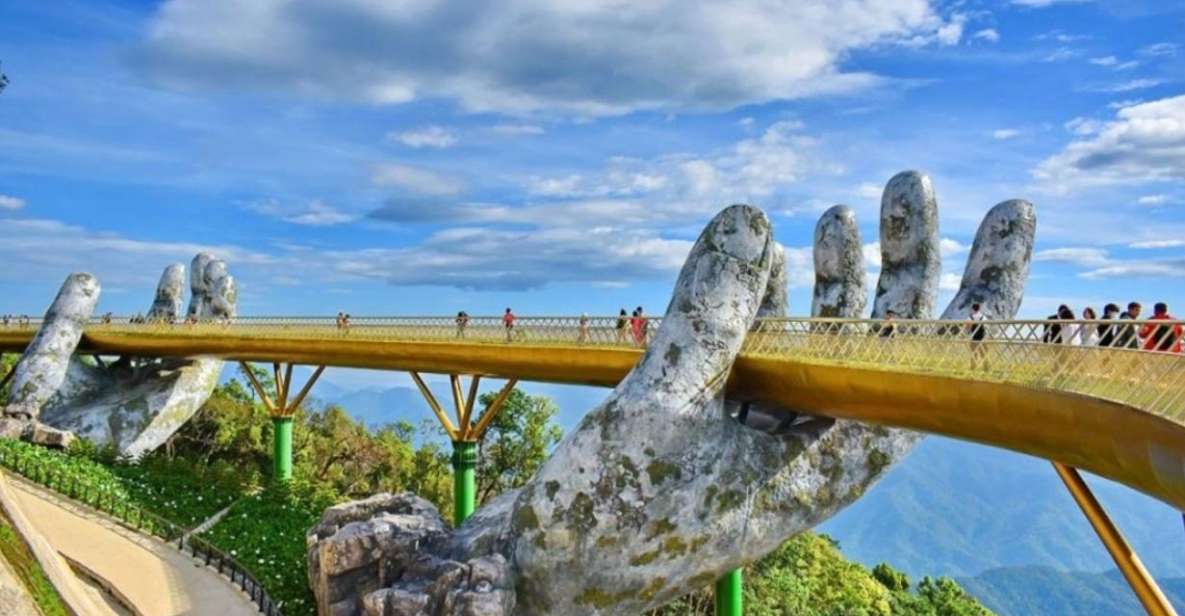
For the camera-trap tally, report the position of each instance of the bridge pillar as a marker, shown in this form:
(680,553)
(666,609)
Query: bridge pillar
(730,594)
(464,480)
(281,409)
(465,435)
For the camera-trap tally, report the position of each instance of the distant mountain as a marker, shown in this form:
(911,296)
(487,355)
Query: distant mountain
(959,509)
(1023,591)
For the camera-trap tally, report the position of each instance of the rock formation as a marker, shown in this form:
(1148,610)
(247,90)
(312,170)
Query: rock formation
(666,485)
(134,404)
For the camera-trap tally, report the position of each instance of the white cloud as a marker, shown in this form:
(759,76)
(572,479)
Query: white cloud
(1061,54)
(316,213)
(1144,143)
(1154,244)
(8,202)
(517,130)
(1128,86)
(1153,200)
(872,255)
(1162,268)
(1127,102)
(523,56)
(319,214)
(869,190)
(1086,257)
(950,247)
(1160,49)
(1105,61)
(415,179)
(426,137)
(567,186)
(949,281)
(987,34)
(1083,126)
(1005,133)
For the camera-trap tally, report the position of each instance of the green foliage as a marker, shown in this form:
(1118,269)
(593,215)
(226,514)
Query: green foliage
(265,533)
(517,443)
(808,576)
(7,361)
(24,564)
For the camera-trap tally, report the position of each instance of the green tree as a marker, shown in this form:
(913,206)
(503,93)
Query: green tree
(517,443)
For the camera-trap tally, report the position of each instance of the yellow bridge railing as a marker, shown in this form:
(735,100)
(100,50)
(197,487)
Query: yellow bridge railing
(1129,362)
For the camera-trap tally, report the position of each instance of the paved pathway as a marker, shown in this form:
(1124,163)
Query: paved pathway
(152,576)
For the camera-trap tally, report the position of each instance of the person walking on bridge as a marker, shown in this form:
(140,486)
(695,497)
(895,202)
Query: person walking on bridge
(622,327)
(978,332)
(583,336)
(508,323)
(1126,336)
(462,322)
(1107,331)
(1164,338)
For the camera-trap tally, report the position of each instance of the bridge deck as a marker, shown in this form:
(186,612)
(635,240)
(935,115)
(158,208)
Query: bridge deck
(1119,413)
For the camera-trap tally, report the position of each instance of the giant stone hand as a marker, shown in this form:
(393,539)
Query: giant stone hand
(134,404)
(667,484)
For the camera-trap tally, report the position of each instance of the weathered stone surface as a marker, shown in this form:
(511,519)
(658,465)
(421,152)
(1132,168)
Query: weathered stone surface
(659,491)
(167,305)
(360,549)
(911,261)
(999,263)
(133,404)
(42,368)
(839,265)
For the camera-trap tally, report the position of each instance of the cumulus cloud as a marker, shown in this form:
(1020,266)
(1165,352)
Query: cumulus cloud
(8,202)
(1144,142)
(426,137)
(590,58)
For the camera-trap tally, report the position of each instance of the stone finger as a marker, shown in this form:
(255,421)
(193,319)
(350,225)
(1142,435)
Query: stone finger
(911,262)
(998,265)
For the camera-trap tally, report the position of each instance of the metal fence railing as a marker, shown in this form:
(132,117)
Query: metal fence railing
(79,490)
(1137,363)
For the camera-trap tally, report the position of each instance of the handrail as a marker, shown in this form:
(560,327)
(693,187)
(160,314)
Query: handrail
(133,517)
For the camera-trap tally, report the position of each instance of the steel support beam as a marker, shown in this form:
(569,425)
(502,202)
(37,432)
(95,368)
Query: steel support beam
(1125,557)
(281,409)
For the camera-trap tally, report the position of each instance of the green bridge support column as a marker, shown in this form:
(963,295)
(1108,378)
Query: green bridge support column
(282,448)
(464,480)
(730,594)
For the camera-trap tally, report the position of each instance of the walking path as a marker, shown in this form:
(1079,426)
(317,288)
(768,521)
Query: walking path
(151,576)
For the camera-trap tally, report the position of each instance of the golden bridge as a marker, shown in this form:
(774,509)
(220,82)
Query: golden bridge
(1116,412)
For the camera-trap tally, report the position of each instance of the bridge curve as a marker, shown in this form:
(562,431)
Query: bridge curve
(1117,412)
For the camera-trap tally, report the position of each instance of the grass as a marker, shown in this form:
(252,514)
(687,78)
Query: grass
(28,570)
(176,490)
(265,532)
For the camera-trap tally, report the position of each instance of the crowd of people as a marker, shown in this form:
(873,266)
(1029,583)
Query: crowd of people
(1110,331)
(19,321)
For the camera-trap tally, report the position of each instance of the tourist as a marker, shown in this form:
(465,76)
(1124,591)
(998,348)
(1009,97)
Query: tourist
(1053,329)
(340,319)
(1126,336)
(1163,338)
(889,327)
(638,327)
(462,322)
(1088,333)
(8,318)
(346,322)
(583,336)
(622,326)
(1071,332)
(1107,331)
(508,323)
(978,332)
(645,326)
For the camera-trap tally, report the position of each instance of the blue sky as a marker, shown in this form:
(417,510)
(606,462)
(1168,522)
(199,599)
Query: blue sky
(559,157)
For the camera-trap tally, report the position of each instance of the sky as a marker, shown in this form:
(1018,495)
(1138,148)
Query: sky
(424,157)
